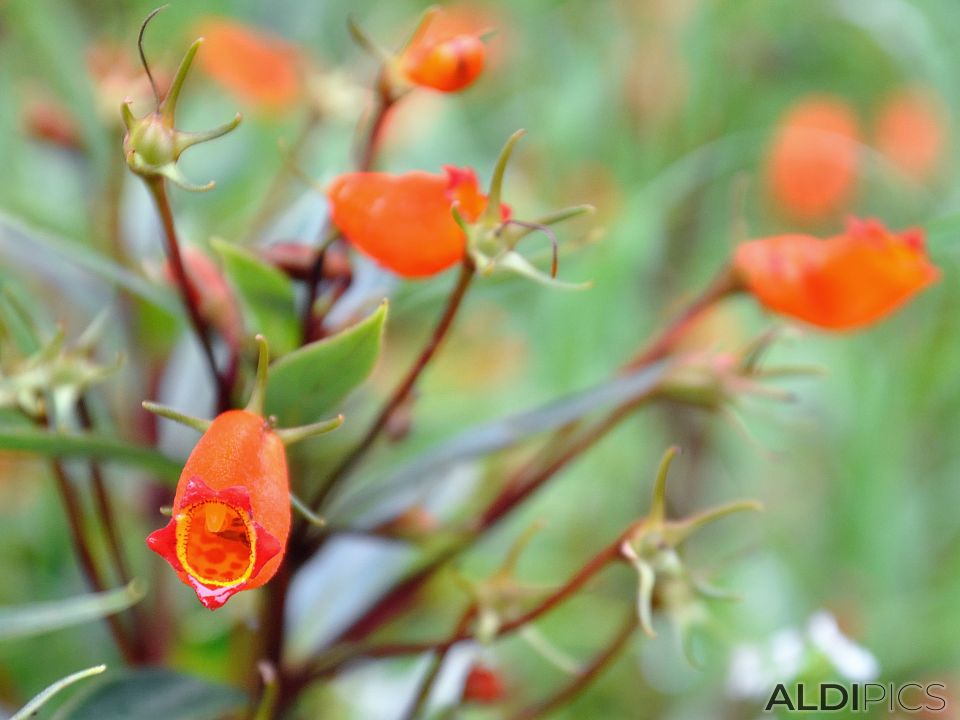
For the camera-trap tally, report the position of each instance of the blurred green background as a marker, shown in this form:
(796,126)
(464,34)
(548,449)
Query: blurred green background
(660,113)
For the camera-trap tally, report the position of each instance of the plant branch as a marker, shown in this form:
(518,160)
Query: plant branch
(423,692)
(385,101)
(595,565)
(553,458)
(108,521)
(600,662)
(185,287)
(72,508)
(724,284)
(405,386)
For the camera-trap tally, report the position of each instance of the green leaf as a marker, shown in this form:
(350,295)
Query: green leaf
(306,385)
(64,445)
(490,437)
(152,693)
(266,294)
(40,617)
(30,709)
(83,256)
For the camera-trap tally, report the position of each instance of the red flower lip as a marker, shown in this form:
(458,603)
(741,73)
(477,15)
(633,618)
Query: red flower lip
(214,543)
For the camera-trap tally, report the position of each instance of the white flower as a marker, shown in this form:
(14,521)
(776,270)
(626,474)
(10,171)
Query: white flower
(756,669)
(849,659)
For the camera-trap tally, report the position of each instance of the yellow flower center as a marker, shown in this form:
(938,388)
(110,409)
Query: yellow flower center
(216,543)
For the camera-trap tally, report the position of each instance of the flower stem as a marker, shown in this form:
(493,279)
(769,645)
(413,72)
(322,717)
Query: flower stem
(405,386)
(188,293)
(108,521)
(560,595)
(429,680)
(601,662)
(725,283)
(72,507)
(385,102)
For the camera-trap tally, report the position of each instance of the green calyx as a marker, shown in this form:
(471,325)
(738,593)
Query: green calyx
(651,547)
(492,241)
(289,436)
(152,145)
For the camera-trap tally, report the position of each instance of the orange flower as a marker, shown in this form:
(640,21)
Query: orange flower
(257,68)
(841,283)
(231,513)
(812,162)
(911,130)
(446,53)
(405,222)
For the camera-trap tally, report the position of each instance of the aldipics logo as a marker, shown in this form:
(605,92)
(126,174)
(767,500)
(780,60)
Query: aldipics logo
(858,697)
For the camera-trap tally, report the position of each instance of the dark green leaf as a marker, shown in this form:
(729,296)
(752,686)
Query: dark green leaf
(266,294)
(306,385)
(505,432)
(64,445)
(152,694)
(41,617)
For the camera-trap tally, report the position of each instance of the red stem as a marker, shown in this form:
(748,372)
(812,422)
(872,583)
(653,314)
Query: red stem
(595,565)
(601,662)
(72,507)
(526,481)
(423,693)
(405,386)
(188,293)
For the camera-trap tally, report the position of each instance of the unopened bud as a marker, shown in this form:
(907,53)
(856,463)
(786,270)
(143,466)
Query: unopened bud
(483,685)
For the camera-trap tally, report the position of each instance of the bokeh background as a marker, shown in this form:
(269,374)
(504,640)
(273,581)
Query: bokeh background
(667,115)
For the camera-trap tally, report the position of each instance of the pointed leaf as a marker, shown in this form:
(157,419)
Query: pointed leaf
(152,693)
(40,617)
(307,385)
(490,437)
(78,445)
(30,709)
(266,294)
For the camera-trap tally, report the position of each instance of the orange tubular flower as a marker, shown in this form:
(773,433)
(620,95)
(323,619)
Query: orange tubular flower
(257,68)
(911,130)
(405,222)
(231,512)
(841,283)
(812,161)
(444,54)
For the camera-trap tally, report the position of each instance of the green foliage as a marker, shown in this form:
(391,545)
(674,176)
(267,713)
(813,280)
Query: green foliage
(42,617)
(152,693)
(306,385)
(31,708)
(266,294)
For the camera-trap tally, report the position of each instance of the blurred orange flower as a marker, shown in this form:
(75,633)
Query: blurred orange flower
(841,283)
(211,293)
(231,513)
(405,222)
(811,166)
(257,68)
(911,129)
(446,53)
(483,685)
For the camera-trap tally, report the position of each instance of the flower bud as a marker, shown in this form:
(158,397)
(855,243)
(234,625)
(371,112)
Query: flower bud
(842,283)
(152,145)
(483,685)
